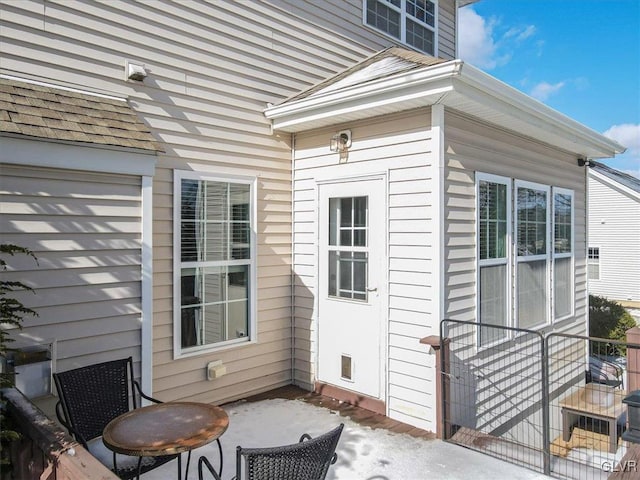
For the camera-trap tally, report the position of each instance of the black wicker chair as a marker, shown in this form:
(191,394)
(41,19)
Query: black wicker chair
(309,459)
(92,396)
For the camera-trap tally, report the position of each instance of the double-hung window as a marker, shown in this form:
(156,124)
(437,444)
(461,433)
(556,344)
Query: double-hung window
(412,22)
(214,267)
(525,242)
(494,224)
(532,254)
(562,253)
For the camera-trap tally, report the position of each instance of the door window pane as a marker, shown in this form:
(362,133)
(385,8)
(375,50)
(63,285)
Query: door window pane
(348,229)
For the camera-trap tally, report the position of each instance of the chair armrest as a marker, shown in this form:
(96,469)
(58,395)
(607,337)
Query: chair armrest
(144,395)
(63,421)
(202,461)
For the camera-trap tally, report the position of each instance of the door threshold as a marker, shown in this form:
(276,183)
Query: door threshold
(352,398)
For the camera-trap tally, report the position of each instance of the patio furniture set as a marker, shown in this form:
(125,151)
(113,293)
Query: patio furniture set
(100,406)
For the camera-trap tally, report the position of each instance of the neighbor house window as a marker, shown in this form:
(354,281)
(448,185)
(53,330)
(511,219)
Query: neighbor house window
(532,254)
(562,253)
(593,258)
(537,246)
(494,218)
(214,252)
(412,22)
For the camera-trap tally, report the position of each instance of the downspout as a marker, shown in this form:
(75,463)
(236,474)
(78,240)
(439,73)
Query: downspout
(292,316)
(146,293)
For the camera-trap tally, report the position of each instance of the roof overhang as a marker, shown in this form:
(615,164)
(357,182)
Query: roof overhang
(456,85)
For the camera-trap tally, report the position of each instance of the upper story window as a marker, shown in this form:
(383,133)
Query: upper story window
(214,252)
(412,22)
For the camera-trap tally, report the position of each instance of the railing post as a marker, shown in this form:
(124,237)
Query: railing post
(546,417)
(633,360)
(440,348)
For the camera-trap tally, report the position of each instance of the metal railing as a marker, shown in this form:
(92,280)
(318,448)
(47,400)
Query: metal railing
(549,402)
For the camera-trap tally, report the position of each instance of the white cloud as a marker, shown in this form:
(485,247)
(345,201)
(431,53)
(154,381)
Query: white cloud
(487,44)
(520,33)
(544,90)
(476,44)
(627,135)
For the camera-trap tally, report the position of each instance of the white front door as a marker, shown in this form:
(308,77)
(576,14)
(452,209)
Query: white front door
(352,280)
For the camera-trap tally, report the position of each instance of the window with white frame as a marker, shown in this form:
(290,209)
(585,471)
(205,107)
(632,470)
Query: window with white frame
(593,258)
(412,22)
(538,244)
(562,253)
(532,254)
(214,250)
(494,219)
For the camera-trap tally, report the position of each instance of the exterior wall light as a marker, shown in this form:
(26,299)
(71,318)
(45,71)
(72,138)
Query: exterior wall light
(341,141)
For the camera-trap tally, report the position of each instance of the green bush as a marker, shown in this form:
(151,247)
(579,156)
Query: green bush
(610,320)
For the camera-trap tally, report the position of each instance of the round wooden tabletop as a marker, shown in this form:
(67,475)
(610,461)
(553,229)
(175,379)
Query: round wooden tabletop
(165,428)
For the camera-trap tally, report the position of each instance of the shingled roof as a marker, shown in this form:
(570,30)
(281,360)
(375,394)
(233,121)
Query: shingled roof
(51,113)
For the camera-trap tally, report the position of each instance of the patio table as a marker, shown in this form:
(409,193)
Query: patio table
(166,429)
(577,405)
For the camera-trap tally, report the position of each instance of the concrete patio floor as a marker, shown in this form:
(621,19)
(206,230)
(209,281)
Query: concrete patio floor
(377,451)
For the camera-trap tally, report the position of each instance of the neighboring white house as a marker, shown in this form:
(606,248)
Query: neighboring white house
(614,235)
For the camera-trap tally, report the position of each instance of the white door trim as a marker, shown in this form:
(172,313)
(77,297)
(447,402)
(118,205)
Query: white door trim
(382,286)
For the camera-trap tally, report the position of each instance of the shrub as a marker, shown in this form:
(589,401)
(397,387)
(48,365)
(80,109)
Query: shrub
(12,311)
(610,320)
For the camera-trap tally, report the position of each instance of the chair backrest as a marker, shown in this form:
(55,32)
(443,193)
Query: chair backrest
(94,395)
(306,460)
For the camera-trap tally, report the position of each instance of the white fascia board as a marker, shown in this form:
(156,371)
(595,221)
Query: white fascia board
(292,116)
(430,85)
(539,114)
(38,152)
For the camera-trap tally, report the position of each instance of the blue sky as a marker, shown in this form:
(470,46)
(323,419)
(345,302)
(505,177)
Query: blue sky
(580,57)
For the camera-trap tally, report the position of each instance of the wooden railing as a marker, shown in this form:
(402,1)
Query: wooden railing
(45,451)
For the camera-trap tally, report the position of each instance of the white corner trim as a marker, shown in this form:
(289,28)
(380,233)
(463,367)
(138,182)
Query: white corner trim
(437,129)
(147,286)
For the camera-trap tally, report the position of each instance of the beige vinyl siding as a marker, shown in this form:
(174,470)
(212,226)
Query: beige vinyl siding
(212,69)
(399,146)
(614,227)
(473,147)
(84,230)
(346,17)
(447,16)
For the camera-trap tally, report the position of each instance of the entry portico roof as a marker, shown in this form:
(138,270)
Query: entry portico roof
(398,79)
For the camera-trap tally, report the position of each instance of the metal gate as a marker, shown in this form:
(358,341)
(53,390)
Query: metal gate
(519,395)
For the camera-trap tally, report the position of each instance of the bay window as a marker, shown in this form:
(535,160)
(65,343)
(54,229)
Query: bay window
(412,22)
(537,246)
(214,272)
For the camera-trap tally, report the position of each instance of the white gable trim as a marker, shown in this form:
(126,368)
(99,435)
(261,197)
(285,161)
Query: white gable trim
(457,86)
(597,176)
